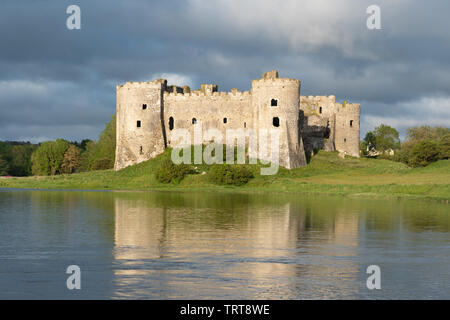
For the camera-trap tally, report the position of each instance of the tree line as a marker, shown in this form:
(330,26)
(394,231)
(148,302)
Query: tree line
(59,156)
(421,146)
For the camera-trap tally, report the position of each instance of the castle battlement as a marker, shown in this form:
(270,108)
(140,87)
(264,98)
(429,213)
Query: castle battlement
(208,95)
(149,111)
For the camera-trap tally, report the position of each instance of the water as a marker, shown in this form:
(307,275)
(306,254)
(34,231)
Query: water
(220,246)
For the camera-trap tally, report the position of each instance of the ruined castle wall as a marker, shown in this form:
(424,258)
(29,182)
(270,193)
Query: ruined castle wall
(324,106)
(148,112)
(208,109)
(137,142)
(343,121)
(347,129)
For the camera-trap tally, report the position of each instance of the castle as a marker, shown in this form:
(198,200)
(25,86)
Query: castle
(148,112)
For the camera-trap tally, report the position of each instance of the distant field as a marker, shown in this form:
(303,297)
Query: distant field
(326,173)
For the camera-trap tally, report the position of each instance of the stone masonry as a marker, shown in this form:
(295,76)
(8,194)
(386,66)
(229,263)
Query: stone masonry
(148,112)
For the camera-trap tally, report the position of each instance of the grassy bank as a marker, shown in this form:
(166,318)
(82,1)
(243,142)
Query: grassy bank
(327,174)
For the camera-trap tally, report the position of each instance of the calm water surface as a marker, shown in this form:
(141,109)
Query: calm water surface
(220,246)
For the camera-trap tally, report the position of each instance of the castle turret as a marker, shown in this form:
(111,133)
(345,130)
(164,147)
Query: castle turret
(140,125)
(276,106)
(347,128)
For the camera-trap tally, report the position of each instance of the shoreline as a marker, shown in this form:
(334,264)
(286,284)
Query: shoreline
(221,189)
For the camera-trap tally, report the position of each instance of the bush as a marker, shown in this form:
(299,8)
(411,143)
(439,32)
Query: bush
(401,156)
(227,174)
(169,172)
(423,153)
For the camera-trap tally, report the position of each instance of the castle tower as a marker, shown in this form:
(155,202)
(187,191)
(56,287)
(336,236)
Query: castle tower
(275,103)
(140,125)
(347,136)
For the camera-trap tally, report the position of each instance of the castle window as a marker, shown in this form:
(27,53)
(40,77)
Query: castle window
(351,123)
(276,122)
(171,123)
(320,109)
(274,103)
(138,124)
(245,124)
(144,106)
(225,120)
(141,150)
(194,121)
(345,139)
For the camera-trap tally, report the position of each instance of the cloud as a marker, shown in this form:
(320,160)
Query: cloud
(174,79)
(432,111)
(61,83)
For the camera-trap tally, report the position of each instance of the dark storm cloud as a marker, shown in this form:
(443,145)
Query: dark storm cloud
(55,82)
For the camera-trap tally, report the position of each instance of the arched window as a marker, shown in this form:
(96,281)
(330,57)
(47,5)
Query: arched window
(171,123)
(320,109)
(225,120)
(274,103)
(194,121)
(276,122)
(345,139)
(351,123)
(144,106)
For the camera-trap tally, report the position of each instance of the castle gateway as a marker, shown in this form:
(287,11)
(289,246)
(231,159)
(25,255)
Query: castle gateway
(148,112)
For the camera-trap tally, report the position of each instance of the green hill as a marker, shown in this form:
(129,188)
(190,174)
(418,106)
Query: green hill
(326,173)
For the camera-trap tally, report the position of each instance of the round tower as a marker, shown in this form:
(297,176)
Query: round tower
(140,129)
(276,107)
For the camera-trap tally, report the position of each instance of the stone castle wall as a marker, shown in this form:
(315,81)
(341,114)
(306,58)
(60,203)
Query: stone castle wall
(148,112)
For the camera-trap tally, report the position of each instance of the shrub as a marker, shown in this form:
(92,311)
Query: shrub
(402,156)
(423,153)
(230,174)
(169,172)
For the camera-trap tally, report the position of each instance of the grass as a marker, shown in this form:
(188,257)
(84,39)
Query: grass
(326,174)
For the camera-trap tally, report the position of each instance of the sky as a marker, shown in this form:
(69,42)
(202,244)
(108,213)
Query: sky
(60,83)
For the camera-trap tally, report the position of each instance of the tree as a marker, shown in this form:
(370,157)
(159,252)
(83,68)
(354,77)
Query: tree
(386,138)
(423,153)
(81,145)
(101,155)
(48,157)
(370,140)
(444,152)
(72,160)
(416,134)
(20,163)
(4,167)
